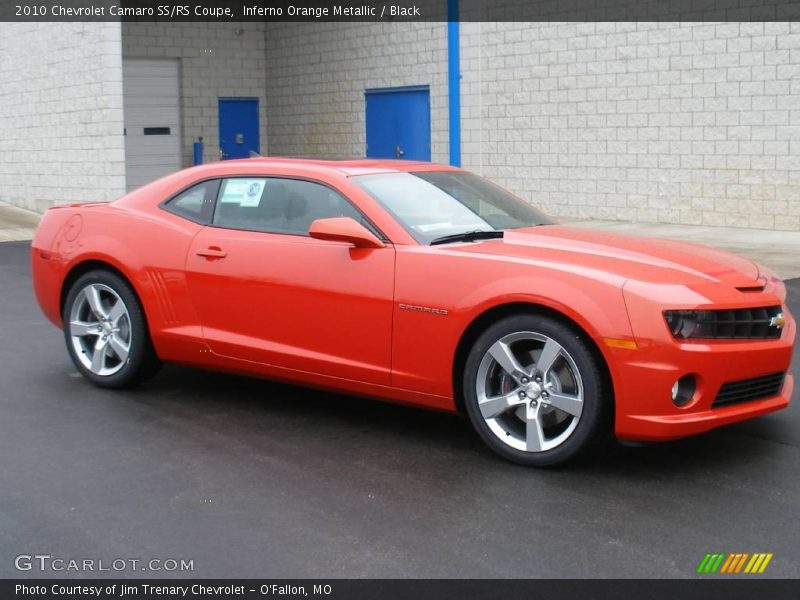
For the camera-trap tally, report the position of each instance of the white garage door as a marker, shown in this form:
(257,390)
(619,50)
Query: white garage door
(152,119)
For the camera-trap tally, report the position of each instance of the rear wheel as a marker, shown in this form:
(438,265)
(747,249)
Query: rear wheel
(534,391)
(106,331)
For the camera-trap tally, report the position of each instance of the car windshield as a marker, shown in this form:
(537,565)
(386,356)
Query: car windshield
(434,204)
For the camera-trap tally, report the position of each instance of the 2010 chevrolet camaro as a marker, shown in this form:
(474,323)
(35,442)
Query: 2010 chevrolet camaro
(422,284)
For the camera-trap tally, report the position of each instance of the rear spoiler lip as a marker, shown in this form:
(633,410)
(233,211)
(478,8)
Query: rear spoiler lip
(74,205)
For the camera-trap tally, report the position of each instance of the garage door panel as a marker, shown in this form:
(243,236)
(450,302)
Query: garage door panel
(144,175)
(151,162)
(142,146)
(139,124)
(147,118)
(162,80)
(155,159)
(142,122)
(151,99)
(152,92)
(153,71)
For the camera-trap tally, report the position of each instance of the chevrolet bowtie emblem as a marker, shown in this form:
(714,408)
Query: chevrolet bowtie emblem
(778,321)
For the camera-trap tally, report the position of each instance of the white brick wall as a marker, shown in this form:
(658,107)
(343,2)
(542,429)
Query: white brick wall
(317,74)
(60,113)
(215,62)
(695,123)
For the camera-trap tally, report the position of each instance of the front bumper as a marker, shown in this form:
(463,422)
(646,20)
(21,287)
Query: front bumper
(683,423)
(644,376)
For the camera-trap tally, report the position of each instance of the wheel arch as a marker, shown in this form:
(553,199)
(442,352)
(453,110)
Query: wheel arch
(144,361)
(491,315)
(87,265)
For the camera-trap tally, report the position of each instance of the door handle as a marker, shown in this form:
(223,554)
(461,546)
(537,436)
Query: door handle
(398,152)
(212,252)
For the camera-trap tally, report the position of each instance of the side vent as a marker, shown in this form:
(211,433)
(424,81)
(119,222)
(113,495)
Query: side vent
(161,289)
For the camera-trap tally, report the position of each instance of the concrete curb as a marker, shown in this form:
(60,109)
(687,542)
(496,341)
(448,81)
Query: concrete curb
(17,224)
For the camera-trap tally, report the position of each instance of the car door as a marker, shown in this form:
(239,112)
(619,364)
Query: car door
(269,293)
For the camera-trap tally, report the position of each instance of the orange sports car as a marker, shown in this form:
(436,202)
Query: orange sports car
(422,284)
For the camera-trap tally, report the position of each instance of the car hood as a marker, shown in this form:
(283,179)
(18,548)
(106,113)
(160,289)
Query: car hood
(627,256)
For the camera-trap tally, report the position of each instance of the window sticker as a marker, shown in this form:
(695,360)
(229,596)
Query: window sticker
(244,192)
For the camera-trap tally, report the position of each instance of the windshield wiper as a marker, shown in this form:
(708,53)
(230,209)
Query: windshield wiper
(467,236)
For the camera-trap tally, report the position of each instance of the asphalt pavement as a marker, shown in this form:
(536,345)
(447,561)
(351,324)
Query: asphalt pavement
(248,478)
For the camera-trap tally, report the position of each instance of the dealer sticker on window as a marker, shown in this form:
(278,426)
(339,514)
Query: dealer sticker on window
(244,192)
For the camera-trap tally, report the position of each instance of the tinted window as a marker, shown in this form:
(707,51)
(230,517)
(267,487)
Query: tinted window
(274,205)
(196,203)
(432,204)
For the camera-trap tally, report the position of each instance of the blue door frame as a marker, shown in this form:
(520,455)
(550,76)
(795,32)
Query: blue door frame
(239,132)
(398,122)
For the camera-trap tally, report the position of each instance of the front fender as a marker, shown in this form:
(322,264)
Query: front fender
(597,309)
(463,288)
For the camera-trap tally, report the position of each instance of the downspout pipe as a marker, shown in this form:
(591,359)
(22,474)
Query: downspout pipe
(454,83)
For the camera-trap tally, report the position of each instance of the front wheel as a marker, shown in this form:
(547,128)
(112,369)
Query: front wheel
(106,331)
(534,391)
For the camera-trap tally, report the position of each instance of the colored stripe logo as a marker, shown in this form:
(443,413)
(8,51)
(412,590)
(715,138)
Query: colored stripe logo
(731,564)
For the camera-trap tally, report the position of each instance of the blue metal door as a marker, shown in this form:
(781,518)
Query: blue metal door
(238,127)
(399,123)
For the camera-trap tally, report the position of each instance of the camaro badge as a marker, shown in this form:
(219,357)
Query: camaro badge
(423,309)
(778,321)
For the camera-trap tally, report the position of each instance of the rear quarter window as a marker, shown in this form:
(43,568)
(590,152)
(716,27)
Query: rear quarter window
(195,203)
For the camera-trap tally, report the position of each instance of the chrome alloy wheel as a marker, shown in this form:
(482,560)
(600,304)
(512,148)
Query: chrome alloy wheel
(100,329)
(530,391)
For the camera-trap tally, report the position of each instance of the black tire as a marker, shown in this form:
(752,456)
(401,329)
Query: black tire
(593,423)
(141,361)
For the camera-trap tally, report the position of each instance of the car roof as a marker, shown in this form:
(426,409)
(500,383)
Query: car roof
(349,167)
(271,166)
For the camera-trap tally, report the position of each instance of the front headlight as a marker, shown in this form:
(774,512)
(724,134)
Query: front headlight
(687,324)
(763,322)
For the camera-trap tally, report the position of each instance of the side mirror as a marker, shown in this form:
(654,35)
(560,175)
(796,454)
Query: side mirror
(344,229)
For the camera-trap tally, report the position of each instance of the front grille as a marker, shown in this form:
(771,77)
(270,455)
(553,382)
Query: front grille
(764,322)
(746,390)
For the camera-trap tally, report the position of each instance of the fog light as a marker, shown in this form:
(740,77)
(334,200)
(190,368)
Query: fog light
(683,390)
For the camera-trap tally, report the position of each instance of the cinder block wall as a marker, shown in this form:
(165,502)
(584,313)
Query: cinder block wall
(695,123)
(317,74)
(216,60)
(60,113)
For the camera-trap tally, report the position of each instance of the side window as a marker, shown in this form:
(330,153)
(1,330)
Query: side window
(196,203)
(275,205)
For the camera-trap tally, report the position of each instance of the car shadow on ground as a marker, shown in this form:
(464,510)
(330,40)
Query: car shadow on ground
(252,408)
